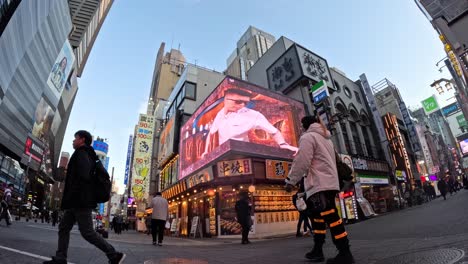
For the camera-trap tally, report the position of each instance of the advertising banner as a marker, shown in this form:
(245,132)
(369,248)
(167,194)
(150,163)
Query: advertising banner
(451,109)
(277,169)
(234,167)
(61,69)
(166,141)
(141,165)
(425,148)
(240,117)
(128,162)
(430,105)
(43,118)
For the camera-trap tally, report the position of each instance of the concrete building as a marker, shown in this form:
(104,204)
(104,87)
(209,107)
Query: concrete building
(250,47)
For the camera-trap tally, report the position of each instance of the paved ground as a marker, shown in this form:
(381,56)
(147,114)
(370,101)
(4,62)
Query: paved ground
(435,232)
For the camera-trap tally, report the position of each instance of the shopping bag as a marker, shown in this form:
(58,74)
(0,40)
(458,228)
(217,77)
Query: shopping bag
(168,225)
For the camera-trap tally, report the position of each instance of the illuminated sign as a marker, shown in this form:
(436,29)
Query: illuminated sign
(234,167)
(33,150)
(397,146)
(166,141)
(141,165)
(240,117)
(372,179)
(464,147)
(168,174)
(277,169)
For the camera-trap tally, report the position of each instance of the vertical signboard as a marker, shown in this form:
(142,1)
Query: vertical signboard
(128,161)
(141,166)
(61,69)
(413,137)
(425,148)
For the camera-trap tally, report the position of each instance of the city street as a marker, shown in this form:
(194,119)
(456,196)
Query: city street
(435,232)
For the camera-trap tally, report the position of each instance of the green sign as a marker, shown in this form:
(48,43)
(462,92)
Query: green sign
(430,105)
(314,89)
(462,121)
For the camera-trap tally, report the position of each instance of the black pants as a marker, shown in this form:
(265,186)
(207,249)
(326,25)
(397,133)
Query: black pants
(5,214)
(328,216)
(245,232)
(303,218)
(85,223)
(157,229)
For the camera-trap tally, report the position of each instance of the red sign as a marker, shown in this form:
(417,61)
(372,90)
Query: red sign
(32,150)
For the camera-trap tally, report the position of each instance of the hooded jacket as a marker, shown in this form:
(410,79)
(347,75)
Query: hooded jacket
(79,183)
(316,160)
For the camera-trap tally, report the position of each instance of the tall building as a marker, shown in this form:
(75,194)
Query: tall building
(250,47)
(38,83)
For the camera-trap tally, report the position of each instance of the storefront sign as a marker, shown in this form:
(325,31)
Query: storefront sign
(205,175)
(277,169)
(373,179)
(359,164)
(129,159)
(450,109)
(400,175)
(430,105)
(32,150)
(413,136)
(235,167)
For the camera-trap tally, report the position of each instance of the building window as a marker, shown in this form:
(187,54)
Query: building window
(356,141)
(358,98)
(347,92)
(345,137)
(367,141)
(190,90)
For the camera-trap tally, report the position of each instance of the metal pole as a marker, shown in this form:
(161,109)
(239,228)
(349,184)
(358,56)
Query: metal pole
(109,203)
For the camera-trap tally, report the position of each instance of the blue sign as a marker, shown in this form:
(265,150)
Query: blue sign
(101,146)
(101,208)
(129,158)
(319,97)
(450,109)
(106,163)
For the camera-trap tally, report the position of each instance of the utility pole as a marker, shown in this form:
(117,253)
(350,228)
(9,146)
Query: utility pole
(109,203)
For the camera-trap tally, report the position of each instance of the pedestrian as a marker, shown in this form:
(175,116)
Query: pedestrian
(118,226)
(243,210)
(148,224)
(303,216)
(6,204)
(317,162)
(442,185)
(79,201)
(54,217)
(159,217)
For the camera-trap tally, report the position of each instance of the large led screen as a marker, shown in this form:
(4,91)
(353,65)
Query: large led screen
(166,141)
(243,118)
(464,147)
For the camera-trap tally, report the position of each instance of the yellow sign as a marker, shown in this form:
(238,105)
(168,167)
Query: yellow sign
(277,169)
(143,149)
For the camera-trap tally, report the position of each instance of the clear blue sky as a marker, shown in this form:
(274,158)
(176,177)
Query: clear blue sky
(389,39)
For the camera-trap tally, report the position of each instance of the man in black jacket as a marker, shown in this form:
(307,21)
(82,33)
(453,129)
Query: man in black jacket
(78,202)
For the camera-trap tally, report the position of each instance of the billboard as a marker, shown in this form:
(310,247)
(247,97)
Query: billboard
(43,118)
(61,69)
(413,136)
(166,141)
(129,159)
(141,165)
(243,118)
(101,146)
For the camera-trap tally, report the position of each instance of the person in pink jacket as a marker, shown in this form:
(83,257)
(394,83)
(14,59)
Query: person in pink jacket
(316,162)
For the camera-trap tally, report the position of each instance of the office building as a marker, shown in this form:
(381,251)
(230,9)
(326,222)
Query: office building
(250,47)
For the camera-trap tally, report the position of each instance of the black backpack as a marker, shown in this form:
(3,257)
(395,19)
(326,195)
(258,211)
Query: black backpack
(102,185)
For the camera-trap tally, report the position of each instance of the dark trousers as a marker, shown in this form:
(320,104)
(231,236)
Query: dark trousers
(157,229)
(303,218)
(329,217)
(245,233)
(85,223)
(5,214)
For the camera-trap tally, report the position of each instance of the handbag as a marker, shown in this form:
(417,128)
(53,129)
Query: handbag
(301,204)
(168,225)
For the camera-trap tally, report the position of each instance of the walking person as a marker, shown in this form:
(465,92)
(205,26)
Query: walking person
(442,185)
(243,216)
(79,200)
(148,224)
(54,217)
(159,218)
(316,161)
(303,215)
(6,203)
